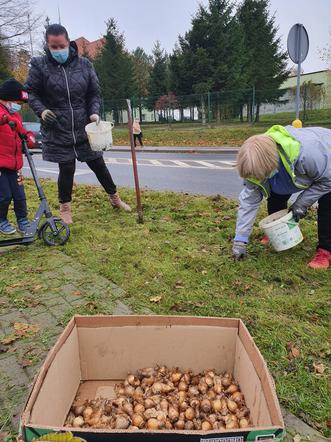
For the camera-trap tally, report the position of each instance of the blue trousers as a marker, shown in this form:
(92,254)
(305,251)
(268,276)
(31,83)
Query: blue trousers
(10,191)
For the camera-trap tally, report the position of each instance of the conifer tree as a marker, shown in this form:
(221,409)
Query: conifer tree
(115,70)
(266,62)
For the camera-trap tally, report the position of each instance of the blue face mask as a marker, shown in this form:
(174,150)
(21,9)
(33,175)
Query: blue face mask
(61,55)
(13,107)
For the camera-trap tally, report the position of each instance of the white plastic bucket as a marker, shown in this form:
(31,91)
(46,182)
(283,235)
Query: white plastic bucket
(100,135)
(282,230)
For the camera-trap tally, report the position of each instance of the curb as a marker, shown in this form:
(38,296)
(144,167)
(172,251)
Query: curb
(229,150)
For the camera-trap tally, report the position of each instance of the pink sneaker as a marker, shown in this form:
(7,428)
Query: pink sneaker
(65,213)
(321,259)
(117,203)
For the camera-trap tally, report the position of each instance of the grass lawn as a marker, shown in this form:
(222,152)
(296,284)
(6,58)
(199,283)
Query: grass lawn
(228,134)
(179,262)
(181,135)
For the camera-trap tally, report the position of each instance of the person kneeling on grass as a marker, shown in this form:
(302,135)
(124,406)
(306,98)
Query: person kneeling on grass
(283,161)
(11,158)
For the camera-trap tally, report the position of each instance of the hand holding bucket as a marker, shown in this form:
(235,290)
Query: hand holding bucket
(100,135)
(282,230)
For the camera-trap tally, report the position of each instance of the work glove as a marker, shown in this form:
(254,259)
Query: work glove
(239,249)
(48,117)
(298,212)
(95,118)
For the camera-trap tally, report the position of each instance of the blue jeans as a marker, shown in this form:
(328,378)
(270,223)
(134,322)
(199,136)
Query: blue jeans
(11,190)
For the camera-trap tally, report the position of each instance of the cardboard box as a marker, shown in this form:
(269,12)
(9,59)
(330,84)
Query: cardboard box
(95,352)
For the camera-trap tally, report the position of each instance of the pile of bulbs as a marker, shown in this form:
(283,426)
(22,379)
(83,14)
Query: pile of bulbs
(162,399)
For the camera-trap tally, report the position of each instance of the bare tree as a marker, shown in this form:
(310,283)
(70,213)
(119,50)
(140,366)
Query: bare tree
(311,95)
(17,21)
(325,53)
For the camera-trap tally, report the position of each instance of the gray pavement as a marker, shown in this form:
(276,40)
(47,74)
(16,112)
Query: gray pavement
(197,173)
(180,149)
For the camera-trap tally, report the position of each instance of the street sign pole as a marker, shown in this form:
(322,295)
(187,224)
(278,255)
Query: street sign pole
(297,47)
(134,164)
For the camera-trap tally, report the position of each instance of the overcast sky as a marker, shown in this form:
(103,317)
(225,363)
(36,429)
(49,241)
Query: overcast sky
(145,21)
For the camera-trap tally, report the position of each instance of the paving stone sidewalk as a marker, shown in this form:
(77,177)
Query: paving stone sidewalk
(54,295)
(60,292)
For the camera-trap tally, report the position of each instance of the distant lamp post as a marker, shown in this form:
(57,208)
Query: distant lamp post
(30,35)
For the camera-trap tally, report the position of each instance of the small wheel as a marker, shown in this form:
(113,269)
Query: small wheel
(57,238)
(40,230)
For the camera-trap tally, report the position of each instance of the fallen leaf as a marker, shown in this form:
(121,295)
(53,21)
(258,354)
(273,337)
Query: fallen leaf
(77,293)
(328,423)
(25,363)
(34,303)
(204,272)
(179,285)
(297,438)
(91,306)
(37,288)
(319,368)
(293,352)
(18,284)
(198,304)
(3,348)
(155,299)
(22,329)
(178,307)
(8,339)
(314,318)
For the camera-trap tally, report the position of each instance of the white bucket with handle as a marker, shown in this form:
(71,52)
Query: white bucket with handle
(100,135)
(282,230)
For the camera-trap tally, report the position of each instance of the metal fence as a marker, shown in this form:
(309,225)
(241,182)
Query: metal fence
(209,108)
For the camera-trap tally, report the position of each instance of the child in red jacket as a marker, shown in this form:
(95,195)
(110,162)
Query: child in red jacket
(11,158)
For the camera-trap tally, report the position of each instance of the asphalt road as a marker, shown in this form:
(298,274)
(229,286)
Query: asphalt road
(205,174)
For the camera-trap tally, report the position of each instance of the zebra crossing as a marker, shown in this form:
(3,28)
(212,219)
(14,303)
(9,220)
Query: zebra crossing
(171,163)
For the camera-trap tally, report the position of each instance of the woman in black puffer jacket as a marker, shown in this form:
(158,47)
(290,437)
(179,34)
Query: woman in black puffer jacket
(64,92)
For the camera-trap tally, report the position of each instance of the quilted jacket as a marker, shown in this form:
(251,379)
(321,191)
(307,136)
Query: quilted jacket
(72,91)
